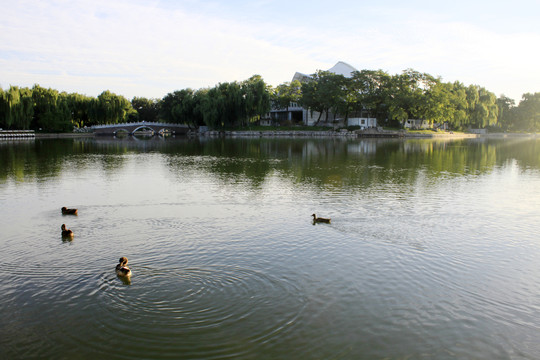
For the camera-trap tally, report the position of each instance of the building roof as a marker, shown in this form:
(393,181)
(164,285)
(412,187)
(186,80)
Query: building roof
(341,68)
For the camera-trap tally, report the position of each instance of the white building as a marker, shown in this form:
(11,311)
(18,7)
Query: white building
(297,114)
(362,122)
(417,124)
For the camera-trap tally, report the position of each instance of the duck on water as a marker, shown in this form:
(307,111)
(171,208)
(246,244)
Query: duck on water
(320,219)
(66,233)
(66,211)
(122,269)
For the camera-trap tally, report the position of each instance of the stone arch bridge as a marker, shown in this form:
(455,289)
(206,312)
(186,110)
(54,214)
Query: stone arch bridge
(130,128)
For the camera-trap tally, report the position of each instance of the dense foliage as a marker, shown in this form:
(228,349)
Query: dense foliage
(48,110)
(225,105)
(392,99)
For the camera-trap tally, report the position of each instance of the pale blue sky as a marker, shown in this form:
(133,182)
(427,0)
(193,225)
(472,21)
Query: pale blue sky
(150,48)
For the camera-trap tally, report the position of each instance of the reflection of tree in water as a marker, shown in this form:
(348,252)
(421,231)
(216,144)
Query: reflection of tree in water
(361,163)
(335,162)
(47,158)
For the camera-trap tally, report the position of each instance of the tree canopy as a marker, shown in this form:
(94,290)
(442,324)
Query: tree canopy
(392,99)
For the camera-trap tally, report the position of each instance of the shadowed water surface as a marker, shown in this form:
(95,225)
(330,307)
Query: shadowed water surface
(433,249)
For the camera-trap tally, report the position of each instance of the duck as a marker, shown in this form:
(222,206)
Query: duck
(66,211)
(320,220)
(66,233)
(122,269)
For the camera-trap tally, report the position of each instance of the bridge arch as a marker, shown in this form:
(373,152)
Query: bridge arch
(143,127)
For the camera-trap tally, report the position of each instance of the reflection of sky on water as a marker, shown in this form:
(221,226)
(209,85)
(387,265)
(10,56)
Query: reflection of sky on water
(432,231)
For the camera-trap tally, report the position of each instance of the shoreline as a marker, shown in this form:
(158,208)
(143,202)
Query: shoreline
(360,134)
(318,134)
(62,135)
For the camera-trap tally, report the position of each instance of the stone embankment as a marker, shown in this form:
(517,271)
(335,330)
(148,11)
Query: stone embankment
(368,133)
(278,133)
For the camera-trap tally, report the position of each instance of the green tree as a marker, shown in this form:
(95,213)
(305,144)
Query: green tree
(182,106)
(109,108)
(3,109)
(287,93)
(371,91)
(210,107)
(80,109)
(407,98)
(323,92)
(528,112)
(146,109)
(51,110)
(483,109)
(18,108)
(256,95)
(459,105)
(506,112)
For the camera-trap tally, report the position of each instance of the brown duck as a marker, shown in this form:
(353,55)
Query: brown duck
(122,269)
(66,233)
(66,211)
(320,220)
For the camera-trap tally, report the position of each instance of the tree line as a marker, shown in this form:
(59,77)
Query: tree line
(392,99)
(48,110)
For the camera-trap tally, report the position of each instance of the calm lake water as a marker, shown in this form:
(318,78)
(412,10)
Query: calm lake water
(433,250)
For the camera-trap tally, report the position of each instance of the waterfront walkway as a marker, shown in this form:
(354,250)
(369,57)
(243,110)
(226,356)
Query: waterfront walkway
(16,134)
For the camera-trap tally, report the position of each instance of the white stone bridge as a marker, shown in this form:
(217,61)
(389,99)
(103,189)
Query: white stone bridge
(130,128)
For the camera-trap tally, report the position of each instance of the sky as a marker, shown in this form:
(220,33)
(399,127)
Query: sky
(150,48)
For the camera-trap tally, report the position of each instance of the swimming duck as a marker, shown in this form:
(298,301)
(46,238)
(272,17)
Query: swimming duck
(320,220)
(66,211)
(66,233)
(122,268)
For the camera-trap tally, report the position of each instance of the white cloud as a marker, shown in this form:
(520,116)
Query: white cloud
(137,49)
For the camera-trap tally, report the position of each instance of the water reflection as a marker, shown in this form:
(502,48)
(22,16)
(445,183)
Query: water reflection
(325,162)
(425,256)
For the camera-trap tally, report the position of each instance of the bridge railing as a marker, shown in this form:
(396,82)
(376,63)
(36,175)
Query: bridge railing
(139,123)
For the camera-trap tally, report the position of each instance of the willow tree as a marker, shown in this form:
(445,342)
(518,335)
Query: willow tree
(182,107)
(506,111)
(16,108)
(109,108)
(51,109)
(225,105)
(528,112)
(80,109)
(483,109)
(256,95)
(459,105)
(3,108)
(210,107)
(231,102)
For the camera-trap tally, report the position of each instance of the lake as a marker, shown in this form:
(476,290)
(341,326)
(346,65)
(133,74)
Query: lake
(432,251)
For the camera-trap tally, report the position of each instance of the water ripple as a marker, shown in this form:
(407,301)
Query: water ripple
(230,307)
